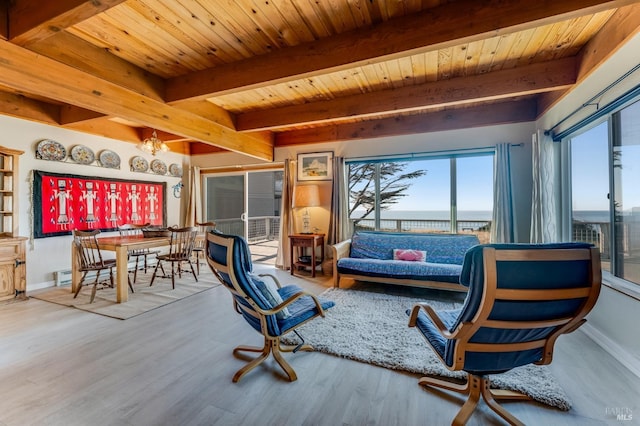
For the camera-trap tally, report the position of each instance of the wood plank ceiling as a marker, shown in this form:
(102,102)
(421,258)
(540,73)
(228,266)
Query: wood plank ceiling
(251,75)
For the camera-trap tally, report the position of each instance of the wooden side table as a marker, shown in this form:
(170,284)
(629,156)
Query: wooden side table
(302,241)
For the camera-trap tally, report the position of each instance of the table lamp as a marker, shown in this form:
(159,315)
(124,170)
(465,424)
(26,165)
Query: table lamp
(306,196)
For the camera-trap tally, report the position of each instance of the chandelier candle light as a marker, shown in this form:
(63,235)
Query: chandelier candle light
(153,144)
(305,196)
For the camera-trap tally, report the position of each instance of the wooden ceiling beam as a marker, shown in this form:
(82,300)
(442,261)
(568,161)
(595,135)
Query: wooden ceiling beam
(34,20)
(103,126)
(460,118)
(624,24)
(28,109)
(22,69)
(447,25)
(526,80)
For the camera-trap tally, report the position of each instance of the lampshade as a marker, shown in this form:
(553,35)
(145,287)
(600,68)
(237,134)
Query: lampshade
(306,196)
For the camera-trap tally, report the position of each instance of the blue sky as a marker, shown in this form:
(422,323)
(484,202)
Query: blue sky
(431,192)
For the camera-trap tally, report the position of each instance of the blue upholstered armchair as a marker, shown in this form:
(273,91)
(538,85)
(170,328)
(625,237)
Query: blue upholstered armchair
(521,298)
(272,310)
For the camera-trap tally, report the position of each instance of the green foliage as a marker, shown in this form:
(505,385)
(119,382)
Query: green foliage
(394,183)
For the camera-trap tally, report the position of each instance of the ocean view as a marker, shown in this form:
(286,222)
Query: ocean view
(589,216)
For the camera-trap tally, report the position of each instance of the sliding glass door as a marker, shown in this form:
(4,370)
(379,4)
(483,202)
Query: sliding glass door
(245,204)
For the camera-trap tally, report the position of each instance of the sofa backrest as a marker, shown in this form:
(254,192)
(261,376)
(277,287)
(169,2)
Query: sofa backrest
(440,248)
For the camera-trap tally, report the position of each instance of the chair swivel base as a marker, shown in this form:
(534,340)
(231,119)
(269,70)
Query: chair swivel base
(271,346)
(475,387)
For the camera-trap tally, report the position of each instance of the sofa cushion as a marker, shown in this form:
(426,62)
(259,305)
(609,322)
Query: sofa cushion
(440,248)
(424,271)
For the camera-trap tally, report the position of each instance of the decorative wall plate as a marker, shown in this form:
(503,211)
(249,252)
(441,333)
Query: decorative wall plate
(139,164)
(109,159)
(158,167)
(50,150)
(82,155)
(175,170)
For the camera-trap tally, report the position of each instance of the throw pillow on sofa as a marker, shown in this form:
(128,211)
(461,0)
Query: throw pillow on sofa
(410,255)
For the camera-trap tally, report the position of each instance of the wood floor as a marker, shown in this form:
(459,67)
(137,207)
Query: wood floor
(173,366)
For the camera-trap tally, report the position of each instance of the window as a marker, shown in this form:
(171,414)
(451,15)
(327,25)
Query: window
(452,194)
(605,172)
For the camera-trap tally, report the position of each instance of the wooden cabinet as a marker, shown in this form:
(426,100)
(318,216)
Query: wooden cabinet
(302,241)
(12,247)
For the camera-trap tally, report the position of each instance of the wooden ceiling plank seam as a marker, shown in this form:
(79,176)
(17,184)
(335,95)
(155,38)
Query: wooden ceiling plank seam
(343,20)
(518,49)
(419,68)
(444,63)
(312,18)
(291,19)
(385,41)
(458,58)
(431,62)
(211,29)
(505,43)
(549,44)
(123,45)
(472,59)
(499,113)
(361,12)
(171,39)
(593,26)
(22,69)
(623,25)
(195,30)
(570,33)
(406,72)
(223,16)
(32,20)
(158,44)
(265,24)
(534,78)
(485,60)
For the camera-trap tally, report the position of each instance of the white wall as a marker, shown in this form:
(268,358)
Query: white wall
(613,322)
(46,255)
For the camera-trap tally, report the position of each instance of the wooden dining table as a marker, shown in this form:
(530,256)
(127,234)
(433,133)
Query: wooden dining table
(121,246)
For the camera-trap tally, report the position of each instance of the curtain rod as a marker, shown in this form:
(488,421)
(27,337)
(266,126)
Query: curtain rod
(590,101)
(417,155)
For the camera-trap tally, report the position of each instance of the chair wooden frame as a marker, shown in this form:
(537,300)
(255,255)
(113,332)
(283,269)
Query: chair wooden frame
(478,385)
(89,259)
(272,344)
(180,249)
(201,241)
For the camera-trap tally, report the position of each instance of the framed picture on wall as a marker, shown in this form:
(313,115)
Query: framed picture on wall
(315,166)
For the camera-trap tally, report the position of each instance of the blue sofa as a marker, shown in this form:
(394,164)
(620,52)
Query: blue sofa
(368,256)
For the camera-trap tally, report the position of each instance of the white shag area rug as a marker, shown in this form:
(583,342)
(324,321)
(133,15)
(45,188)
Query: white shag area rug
(372,328)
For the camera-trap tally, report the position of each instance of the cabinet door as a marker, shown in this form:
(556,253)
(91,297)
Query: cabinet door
(7,278)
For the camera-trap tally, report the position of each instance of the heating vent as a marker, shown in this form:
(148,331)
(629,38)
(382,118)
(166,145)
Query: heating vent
(64,277)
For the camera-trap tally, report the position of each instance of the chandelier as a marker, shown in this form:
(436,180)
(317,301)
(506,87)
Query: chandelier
(152,145)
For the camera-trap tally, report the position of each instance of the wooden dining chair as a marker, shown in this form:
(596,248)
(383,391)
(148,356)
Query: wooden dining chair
(180,250)
(90,258)
(131,230)
(201,239)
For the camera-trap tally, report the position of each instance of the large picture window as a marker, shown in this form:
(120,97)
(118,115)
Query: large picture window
(448,194)
(605,171)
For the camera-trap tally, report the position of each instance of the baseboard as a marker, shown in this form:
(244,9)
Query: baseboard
(614,349)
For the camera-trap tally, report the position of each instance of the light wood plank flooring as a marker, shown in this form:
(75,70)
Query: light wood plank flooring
(173,366)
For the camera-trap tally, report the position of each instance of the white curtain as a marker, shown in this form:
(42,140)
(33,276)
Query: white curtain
(503,228)
(339,223)
(283,258)
(544,196)
(194,207)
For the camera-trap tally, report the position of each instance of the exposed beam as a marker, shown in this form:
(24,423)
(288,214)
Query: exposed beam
(624,24)
(103,126)
(448,25)
(453,119)
(530,79)
(23,70)
(34,20)
(75,52)
(4,20)
(28,109)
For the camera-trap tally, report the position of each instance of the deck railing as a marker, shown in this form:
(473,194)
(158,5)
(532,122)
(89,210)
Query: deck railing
(482,228)
(261,228)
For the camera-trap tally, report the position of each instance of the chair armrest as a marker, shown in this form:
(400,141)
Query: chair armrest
(433,316)
(273,277)
(292,299)
(341,250)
